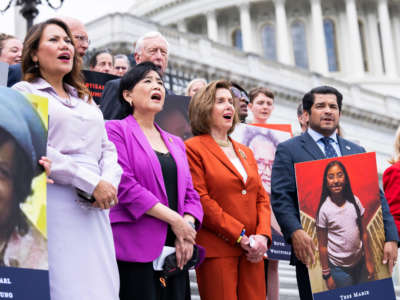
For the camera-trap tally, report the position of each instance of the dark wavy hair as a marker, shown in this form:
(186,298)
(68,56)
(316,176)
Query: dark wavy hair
(308,98)
(347,192)
(129,81)
(21,178)
(31,44)
(93,58)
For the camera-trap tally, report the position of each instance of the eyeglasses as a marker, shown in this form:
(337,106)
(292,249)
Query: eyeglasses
(239,94)
(82,38)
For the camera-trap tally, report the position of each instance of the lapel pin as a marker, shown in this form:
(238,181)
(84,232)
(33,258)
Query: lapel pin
(170,139)
(348,147)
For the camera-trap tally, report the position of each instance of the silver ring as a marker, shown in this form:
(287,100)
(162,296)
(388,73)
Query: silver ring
(112,203)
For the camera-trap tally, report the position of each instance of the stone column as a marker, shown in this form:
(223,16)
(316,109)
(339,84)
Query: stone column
(375,49)
(354,45)
(245,26)
(282,33)
(181,25)
(212,26)
(387,38)
(320,57)
(396,31)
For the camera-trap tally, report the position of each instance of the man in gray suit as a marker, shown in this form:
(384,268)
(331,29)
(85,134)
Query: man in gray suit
(323,106)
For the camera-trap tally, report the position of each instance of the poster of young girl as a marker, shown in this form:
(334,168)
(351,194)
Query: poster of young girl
(340,209)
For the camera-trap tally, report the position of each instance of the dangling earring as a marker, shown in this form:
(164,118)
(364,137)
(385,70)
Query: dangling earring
(36,65)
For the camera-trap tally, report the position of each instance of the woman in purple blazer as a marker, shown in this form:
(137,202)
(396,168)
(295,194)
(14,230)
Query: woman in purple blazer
(157,203)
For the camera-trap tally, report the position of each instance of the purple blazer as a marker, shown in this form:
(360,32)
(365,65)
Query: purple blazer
(139,237)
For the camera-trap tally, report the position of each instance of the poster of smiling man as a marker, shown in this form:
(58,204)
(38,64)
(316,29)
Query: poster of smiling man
(23,239)
(340,209)
(263,142)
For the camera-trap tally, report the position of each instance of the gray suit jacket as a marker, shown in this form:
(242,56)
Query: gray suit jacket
(283,183)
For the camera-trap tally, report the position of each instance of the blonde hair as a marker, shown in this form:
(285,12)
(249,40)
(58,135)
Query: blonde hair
(189,86)
(396,154)
(202,104)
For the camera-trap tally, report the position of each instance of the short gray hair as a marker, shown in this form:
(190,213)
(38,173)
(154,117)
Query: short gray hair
(121,56)
(149,35)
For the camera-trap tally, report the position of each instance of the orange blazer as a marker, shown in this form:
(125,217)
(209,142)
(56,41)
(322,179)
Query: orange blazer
(229,204)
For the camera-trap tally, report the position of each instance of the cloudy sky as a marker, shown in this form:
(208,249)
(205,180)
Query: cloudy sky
(84,10)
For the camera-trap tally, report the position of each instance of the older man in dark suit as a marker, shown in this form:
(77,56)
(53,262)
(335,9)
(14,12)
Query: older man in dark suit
(150,47)
(323,107)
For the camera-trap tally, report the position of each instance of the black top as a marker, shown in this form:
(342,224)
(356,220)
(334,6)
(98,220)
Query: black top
(169,172)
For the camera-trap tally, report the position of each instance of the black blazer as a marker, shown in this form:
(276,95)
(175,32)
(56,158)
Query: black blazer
(283,183)
(14,74)
(110,104)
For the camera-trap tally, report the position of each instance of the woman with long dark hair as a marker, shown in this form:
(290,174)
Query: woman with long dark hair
(343,240)
(84,168)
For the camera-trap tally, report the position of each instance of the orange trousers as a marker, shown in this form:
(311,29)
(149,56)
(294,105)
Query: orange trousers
(231,278)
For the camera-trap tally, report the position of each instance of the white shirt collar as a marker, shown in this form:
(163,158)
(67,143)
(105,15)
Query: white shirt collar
(316,136)
(42,84)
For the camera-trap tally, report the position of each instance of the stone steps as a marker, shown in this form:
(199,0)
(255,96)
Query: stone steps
(287,282)
(287,279)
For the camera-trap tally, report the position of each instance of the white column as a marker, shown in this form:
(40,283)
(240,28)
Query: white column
(282,34)
(354,39)
(374,44)
(245,26)
(387,38)
(343,41)
(396,31)
(181,25)
(212,26)
(320,58)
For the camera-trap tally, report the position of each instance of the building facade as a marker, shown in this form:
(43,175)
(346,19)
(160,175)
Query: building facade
(369,116)
(353,40)
(208,39)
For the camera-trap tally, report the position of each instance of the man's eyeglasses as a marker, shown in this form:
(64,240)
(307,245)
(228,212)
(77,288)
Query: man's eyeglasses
(82,39)
(239,94)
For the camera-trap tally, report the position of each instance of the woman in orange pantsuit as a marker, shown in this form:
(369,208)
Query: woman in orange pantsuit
(236,227)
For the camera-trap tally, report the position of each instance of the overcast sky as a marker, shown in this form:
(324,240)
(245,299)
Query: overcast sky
(84,10)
